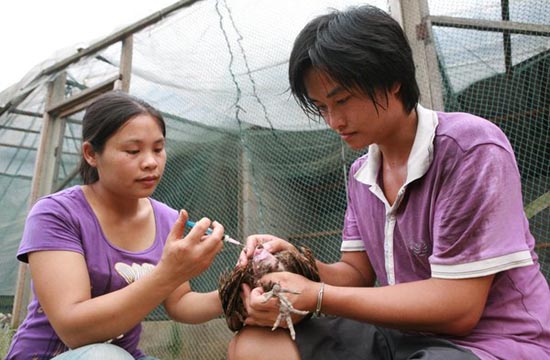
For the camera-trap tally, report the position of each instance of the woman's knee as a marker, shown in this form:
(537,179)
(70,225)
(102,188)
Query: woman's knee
(96,351)
(254,342)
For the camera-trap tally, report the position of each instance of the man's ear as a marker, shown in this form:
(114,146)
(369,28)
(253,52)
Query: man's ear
(395,88)
(89,154)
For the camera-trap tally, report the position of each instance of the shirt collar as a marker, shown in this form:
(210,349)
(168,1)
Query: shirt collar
(421,155)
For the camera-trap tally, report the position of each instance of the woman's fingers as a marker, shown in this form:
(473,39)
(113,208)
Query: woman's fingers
(178,228)
(191,255)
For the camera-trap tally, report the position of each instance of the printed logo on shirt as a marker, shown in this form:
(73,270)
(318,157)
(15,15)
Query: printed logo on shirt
(420,249)
(134,272)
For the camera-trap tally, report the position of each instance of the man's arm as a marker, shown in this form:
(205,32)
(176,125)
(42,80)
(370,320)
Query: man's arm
(442,306)
(353,269)
(434,305)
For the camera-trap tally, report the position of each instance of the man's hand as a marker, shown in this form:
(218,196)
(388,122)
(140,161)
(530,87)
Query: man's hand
(270,243)
(301,293)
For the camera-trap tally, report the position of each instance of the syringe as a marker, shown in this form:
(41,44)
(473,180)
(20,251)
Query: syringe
(209,231)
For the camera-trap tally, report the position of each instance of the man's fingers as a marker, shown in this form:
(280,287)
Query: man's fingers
(260,312)
(245,294)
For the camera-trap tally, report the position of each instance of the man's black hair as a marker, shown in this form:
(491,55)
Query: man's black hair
(361,48)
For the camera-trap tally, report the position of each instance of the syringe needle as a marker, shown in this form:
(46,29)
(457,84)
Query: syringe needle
(231,240)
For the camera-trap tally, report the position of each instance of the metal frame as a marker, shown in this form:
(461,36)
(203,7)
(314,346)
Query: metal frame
(48,157)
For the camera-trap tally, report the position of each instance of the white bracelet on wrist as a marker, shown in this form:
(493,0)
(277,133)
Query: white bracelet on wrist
(320,300)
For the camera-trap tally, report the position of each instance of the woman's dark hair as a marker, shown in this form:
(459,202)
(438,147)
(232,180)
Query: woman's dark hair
(362,48)
(104,117)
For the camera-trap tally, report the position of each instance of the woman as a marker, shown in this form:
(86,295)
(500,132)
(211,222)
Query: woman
(104,255)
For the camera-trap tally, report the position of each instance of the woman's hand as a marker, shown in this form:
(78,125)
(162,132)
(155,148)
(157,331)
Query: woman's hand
(183,258)
(271,243)
(264,313)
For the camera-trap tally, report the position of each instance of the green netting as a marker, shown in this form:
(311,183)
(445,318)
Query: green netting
(241,152)
(518,101)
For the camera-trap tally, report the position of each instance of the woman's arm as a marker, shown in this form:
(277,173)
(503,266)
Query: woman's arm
(187,306)
(62,285)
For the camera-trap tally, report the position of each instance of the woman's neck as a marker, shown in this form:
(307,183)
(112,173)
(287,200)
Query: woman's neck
(108,202)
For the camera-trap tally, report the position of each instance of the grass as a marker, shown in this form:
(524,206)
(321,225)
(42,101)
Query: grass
(5,338)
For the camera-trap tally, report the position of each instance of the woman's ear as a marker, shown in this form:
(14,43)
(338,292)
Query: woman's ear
(89,154)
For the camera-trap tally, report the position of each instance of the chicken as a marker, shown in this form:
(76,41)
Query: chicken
(263,262)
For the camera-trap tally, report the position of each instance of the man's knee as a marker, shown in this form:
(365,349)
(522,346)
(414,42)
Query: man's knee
(261,343)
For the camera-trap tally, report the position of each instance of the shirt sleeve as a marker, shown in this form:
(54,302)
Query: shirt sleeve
(479,224)
(49,226)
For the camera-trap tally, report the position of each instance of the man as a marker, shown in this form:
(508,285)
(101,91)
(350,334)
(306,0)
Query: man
(434,216)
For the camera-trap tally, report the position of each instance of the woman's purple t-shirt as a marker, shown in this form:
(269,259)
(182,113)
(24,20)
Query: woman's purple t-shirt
(65,221)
